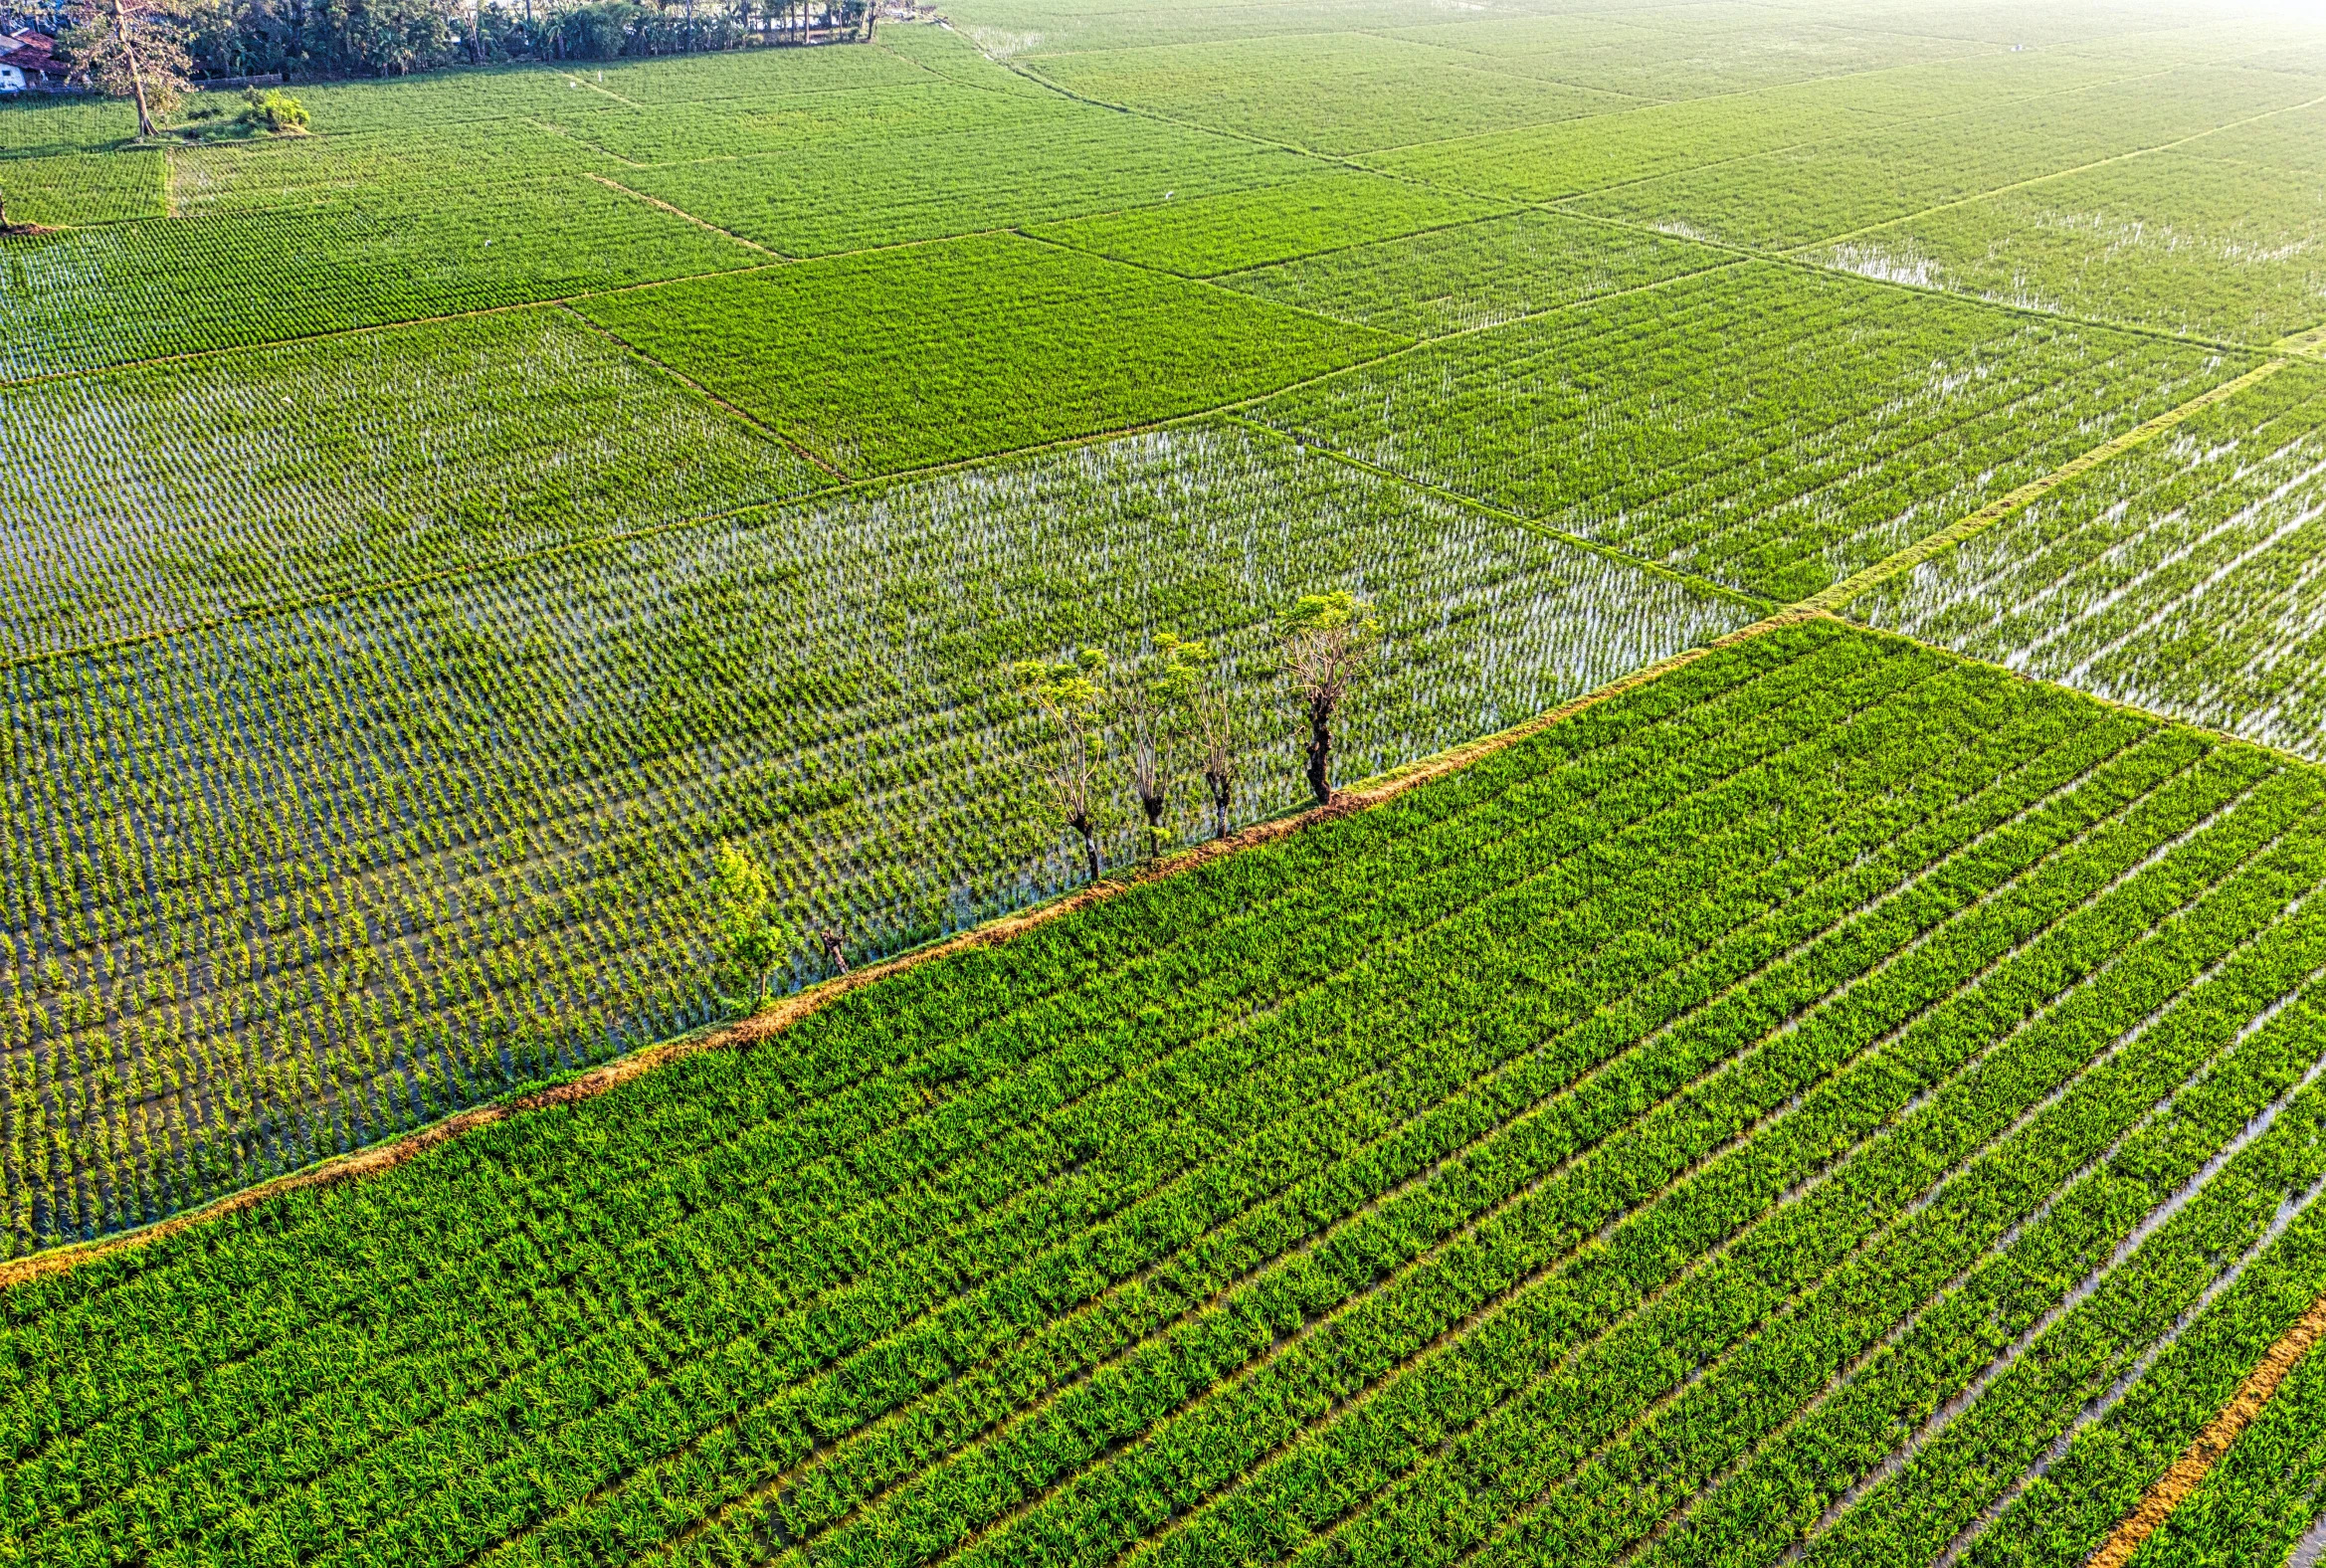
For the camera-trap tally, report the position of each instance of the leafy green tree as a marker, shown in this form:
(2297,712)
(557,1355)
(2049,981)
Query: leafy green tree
(1069,697)
(752,939)
(1151,698)
(132,49)
(1327,640)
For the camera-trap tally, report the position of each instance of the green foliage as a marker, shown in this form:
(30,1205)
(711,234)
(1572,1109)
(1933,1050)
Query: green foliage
(1067,694)
(1152,698)
(1069,688)
(1166,677)
(272,110)
(264,113)
(1327,640)
(1327,614)
(751,935)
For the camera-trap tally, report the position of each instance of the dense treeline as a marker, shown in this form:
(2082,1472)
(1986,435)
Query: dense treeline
(338,38)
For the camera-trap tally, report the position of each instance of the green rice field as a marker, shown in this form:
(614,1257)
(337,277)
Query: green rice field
(1799,1038)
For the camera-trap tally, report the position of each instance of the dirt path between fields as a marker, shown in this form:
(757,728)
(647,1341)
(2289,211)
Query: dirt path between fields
(2190,1469)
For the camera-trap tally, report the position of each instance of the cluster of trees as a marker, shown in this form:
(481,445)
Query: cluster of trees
(190,39)
(1167,724)
(1159,718)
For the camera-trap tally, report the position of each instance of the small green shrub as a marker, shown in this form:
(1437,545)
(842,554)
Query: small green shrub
(272,110)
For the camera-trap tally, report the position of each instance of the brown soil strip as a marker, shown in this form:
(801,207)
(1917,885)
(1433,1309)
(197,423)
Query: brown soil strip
(1374,792)
(2034,490)
(2190,1469)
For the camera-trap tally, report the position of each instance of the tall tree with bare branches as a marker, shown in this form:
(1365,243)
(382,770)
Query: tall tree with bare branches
(1150,696)
(1217,718)
(1069,698)
(132,49)
(1327,639)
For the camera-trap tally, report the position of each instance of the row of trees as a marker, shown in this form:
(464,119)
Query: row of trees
(150,49)
(1163,718)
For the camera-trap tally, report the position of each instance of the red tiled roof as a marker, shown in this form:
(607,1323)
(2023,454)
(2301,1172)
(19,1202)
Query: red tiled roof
(28,51)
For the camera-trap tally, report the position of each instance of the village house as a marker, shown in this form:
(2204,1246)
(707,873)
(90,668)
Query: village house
(28,63)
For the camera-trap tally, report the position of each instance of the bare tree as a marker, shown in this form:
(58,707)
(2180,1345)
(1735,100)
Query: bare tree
(1327,639)
(1150,697)
(1219,737)
(1068,696)
(133,49)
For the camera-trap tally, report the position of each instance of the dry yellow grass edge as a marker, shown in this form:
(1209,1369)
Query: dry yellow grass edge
(2311,341)
(762,1026)
(2189,1470)
(1913,556)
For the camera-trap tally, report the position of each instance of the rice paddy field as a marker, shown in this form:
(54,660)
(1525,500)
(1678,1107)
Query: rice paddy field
(1801,1039)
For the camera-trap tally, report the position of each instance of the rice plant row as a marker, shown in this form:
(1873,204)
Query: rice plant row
(2182,575)
(1064,162)
(1330,210)
(78,187)
(1342,93)
(170,496)
(1475,275)
(2216,236)
(2266,1493)
(280,887)
(84,299)
(967,347)
(1833,1101)
(1567,159)
(1836,186)
(1771,429)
